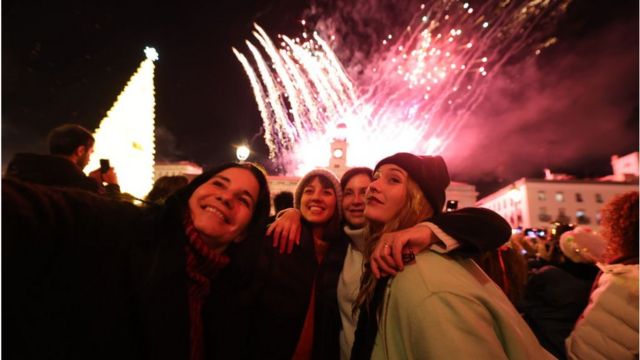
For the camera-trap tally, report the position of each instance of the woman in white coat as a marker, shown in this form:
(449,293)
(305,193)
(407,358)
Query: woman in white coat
(608,327)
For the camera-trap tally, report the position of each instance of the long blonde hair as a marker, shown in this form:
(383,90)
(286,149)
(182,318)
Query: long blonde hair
(415,209)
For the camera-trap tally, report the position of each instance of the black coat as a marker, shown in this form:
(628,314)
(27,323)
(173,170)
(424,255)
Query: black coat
(282,305)
(50,170)
(555,297)
(85,277)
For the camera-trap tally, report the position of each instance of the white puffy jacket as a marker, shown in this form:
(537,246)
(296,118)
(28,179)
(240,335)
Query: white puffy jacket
(608,327)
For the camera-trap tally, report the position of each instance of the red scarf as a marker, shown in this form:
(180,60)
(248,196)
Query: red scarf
(202,265)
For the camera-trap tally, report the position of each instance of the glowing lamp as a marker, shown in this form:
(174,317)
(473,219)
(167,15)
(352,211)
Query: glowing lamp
(242,152)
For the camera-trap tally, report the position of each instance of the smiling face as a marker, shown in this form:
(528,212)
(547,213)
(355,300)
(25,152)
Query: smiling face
(387,194)
(353,200)
(318,202)
(222,207)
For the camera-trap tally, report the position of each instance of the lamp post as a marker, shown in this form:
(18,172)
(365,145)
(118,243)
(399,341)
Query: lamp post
(242,152)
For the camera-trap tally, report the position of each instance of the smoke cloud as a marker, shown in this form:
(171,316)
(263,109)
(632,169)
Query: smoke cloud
(581,103)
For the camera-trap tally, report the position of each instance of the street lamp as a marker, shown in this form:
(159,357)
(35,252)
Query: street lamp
(242,152)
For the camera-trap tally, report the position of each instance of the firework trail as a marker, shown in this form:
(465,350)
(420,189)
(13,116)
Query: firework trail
(412,95)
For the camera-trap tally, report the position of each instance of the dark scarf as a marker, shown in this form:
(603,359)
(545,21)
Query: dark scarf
(202,266)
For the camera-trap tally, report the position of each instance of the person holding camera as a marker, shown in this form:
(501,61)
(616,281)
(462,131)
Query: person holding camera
(70,149)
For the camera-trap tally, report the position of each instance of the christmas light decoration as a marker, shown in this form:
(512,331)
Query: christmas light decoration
(126,135)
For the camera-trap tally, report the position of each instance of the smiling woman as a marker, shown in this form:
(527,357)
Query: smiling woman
(222,207)
(107,280)
(297,316)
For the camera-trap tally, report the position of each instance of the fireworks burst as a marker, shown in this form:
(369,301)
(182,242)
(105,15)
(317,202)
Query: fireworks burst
(413,95)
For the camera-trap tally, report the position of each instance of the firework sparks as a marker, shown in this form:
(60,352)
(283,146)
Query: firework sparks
(413,95)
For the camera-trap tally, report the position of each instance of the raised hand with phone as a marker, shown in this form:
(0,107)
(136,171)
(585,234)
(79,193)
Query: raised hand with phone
(105,175)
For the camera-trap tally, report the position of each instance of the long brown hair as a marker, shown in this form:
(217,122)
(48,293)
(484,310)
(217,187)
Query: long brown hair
(415,209)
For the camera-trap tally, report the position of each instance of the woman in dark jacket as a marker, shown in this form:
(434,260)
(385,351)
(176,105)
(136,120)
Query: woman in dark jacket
(297,314)
(90,278)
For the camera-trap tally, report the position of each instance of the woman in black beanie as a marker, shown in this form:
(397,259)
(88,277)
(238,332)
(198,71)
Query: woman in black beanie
(90,278)
(442,306)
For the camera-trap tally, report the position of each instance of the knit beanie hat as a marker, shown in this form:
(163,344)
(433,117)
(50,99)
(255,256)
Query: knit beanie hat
(583,245)
(327,175)
(429,172)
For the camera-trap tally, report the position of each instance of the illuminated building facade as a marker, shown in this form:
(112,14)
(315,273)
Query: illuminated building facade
(533,203)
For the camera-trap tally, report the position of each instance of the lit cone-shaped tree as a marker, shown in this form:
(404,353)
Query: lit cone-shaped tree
(126,135)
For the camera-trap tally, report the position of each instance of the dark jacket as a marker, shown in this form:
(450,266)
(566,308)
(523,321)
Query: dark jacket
(55,170)
(85,277)
(49,170)
(555,297)
(283,302)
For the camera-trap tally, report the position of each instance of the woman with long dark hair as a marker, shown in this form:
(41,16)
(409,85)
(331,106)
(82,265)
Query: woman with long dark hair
(297,315)
(91,278)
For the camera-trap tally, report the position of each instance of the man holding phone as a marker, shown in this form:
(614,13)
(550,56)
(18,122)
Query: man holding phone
(70,148)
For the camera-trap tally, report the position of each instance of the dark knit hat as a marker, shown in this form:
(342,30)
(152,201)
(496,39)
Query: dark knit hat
(429,172)
(327,175)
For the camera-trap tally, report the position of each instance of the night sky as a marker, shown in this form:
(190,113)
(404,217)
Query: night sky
(67,61)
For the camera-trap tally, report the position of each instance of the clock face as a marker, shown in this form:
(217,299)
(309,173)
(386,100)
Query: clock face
(337,153)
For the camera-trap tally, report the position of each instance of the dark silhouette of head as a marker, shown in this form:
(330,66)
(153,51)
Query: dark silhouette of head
(164,186)
(283,200)
(73,142)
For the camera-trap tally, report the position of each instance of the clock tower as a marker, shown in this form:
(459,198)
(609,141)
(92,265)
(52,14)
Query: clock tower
(338,159)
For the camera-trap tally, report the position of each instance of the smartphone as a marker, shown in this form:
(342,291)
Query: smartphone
(535,233)
(104,166)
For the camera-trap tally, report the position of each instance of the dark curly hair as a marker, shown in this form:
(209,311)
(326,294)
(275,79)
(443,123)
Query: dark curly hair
(620,226)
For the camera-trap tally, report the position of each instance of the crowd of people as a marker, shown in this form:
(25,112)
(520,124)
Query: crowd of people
(367,266)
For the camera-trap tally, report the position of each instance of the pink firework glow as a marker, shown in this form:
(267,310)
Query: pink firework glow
(412,95)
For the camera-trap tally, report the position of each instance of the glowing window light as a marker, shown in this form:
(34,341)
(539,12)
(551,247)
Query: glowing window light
(126,135)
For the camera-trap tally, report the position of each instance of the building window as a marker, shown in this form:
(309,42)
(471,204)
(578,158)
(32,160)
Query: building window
(543,216)
(582,217)
(542,196)
(578,197)
(562,217)
(599,198)
(560,196)
(598,217)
